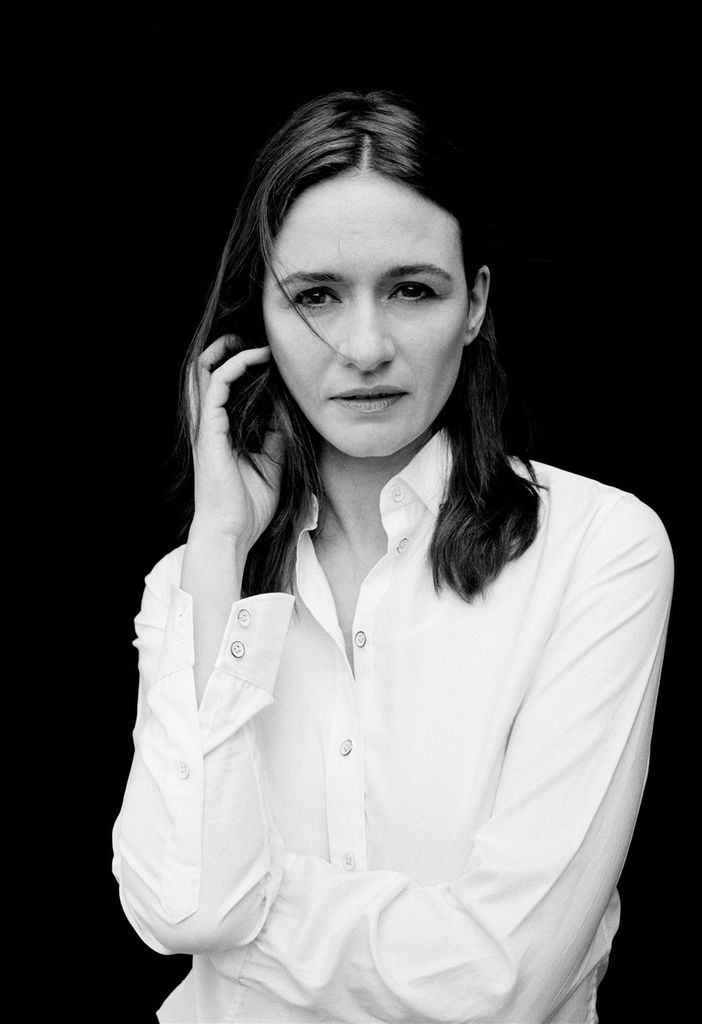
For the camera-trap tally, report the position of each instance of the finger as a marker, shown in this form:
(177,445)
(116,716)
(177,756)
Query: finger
(238,363)
(199,371)
(214,353)
(193,398)
(225,375)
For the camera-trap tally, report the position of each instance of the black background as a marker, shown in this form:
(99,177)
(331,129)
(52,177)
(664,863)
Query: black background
(137,136)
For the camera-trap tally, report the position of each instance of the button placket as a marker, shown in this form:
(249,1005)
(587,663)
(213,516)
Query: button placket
(345,780)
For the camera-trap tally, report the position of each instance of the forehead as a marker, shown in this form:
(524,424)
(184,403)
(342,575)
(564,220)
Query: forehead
(363,221)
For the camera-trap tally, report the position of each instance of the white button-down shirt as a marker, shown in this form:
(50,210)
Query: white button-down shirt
(435,836)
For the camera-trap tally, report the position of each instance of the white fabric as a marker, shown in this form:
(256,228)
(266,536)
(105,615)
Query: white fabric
(459,863)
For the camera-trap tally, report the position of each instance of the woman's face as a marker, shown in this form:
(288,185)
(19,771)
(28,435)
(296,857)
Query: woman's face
(378,270)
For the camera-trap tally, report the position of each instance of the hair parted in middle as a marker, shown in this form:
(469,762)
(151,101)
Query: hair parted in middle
(489,513)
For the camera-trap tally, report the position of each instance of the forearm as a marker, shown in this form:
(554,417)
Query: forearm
(213,566)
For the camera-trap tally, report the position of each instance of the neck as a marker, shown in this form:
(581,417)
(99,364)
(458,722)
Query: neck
(352,489)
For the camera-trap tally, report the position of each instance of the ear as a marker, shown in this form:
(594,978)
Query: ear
(477,304)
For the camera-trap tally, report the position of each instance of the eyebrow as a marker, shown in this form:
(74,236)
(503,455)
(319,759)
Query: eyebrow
(401,270)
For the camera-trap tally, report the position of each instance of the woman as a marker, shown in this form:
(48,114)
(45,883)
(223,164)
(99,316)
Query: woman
(397,688)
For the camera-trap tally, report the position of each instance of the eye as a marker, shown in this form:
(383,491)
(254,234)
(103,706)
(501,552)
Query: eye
(312,297)
(414,291)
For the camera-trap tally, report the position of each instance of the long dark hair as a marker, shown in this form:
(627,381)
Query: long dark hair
(489,514)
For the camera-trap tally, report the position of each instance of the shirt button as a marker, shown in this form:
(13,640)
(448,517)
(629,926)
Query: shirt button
(397,494)
(243,617)
(402,546)
(183,769)
(349,861)
(360,639)
(346,748)
(238,649)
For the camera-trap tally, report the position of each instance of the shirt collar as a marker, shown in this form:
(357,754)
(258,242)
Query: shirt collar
(425,475)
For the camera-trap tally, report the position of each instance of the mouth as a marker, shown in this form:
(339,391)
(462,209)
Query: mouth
(369,400)
(378,391)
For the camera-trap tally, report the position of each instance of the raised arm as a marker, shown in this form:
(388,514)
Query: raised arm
(233,503)
(207,662)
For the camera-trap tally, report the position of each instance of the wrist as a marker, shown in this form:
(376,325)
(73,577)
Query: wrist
(208,534)
(215,559)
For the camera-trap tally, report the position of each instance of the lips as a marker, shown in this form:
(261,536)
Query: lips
(369,401)
(378,391)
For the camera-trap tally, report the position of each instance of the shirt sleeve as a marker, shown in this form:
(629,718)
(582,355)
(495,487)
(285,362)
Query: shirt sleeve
(507,940)
(192,863)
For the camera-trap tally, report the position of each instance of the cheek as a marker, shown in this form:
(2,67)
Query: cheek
(439,355)
(279,338)
(295,362)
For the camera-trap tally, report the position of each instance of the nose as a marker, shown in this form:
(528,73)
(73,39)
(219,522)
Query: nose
(365,341)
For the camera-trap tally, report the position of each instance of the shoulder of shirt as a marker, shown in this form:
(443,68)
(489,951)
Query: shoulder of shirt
(579,503)
(166,573)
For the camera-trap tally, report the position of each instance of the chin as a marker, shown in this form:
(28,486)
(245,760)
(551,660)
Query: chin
(375,441)
(368,451)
